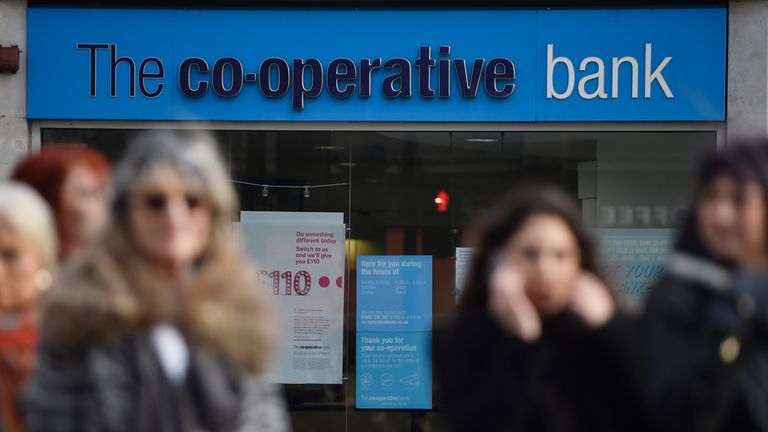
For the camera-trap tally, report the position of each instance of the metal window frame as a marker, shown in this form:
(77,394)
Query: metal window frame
(36,127)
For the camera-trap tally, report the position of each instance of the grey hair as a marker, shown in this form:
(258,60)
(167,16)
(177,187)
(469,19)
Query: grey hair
(30,216)
(192,153)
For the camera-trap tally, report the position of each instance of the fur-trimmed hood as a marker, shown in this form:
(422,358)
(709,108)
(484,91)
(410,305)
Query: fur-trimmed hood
(108,293)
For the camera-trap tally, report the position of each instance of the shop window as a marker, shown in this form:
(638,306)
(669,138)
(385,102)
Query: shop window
(412,194)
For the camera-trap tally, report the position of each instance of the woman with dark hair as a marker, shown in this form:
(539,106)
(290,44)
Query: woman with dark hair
(533,347)
(705,353)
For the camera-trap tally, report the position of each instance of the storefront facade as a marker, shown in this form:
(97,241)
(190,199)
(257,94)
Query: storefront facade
(388,130)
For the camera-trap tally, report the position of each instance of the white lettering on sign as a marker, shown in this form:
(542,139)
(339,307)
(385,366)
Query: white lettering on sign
(596,78)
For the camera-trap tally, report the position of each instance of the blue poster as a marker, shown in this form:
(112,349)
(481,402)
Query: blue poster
(394,293)
(394,370)
(394,324)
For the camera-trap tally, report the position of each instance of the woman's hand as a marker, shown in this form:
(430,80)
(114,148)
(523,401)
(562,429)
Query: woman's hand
(592,301)
(510,307)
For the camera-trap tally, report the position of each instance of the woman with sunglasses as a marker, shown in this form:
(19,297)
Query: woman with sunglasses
(161,327)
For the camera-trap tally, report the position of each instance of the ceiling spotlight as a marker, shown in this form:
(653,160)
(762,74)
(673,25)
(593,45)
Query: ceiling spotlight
(264,191)
(306,191)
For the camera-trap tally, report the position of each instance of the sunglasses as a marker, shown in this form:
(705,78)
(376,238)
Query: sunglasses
(158,201)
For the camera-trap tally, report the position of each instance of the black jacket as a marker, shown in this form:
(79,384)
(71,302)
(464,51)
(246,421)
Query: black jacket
(120,386)
(571,380)
(705,361)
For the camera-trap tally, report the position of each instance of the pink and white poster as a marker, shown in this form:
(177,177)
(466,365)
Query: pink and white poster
(300,259)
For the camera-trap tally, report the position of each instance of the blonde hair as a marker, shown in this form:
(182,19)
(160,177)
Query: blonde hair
(30,216)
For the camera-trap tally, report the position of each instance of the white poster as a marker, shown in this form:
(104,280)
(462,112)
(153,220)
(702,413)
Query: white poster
(301,264)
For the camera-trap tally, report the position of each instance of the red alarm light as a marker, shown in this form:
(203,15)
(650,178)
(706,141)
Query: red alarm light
(441,201)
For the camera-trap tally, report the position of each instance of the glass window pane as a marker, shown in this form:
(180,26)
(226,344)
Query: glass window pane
(417,192)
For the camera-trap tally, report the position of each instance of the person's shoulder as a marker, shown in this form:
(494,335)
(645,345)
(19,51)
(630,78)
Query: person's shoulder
(687,276)
(674,299)
(471,334)
(467,326)
(56,390)
(65,391)
(86,301)
(672,289)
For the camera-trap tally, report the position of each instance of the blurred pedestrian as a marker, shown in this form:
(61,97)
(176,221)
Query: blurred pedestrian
(75,182)
(161,328)
(27,262)
(533,347)
(705,344)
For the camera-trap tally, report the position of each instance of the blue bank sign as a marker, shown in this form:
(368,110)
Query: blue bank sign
(395,65)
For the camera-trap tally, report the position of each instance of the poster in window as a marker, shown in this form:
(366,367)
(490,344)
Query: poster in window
(394,324)
(300,263)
